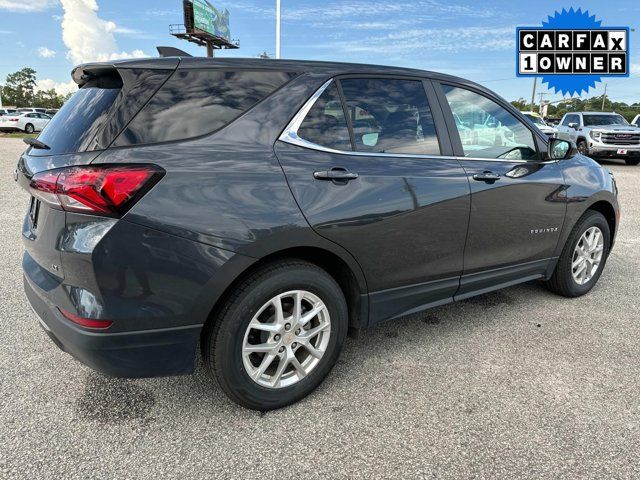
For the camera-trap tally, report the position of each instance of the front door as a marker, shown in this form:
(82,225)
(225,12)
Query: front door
(517,200)
(366,167)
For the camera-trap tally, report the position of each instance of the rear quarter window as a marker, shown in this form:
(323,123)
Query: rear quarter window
(197,102)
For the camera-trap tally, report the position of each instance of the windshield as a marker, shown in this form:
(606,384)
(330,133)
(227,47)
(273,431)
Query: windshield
(536,120)
(590,120)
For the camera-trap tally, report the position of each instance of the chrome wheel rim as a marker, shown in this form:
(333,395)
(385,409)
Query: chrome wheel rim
(587,255)
(286,339)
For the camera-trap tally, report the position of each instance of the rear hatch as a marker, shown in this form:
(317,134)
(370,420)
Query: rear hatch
(108,98)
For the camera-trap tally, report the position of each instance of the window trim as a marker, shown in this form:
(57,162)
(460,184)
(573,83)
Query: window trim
(290,133)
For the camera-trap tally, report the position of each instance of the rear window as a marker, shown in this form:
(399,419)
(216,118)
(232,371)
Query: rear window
(80,118)
(197,102)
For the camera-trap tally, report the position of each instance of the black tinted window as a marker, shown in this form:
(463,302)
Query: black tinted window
(196,102)
(571,119)
(390,116)
(591,120)
(77,122)
(325,124)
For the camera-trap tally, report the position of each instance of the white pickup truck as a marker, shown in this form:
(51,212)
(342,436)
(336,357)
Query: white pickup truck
(600,134)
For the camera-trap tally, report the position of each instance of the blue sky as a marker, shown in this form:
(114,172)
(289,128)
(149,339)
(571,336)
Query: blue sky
(458,37)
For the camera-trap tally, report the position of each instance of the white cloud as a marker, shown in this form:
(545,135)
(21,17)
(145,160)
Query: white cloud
(61,88)
(26,5)
(407,42)
(88,37)
(44,52)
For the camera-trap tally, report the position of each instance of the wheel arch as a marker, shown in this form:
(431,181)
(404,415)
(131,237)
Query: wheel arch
(351,284)
(609,213)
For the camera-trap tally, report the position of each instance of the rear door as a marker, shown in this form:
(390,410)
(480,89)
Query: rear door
(369,162)
(517,199)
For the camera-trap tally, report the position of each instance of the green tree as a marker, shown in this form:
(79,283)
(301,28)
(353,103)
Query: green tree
(48,99)
(19,89)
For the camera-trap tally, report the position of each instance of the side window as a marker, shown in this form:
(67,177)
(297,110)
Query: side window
(325,124)
(488,130)
(390,116)
(571,119)
(196,102)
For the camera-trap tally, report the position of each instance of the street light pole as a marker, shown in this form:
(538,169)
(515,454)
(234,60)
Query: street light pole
(277,28)
(604,97)
(533,95)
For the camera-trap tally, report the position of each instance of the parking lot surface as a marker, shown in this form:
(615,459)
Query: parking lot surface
(516,383)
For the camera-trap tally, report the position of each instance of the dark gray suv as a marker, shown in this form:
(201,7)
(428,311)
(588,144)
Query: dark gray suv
(257,211)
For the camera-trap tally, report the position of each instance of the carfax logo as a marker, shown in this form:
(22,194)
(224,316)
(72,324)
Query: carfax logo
(571,51)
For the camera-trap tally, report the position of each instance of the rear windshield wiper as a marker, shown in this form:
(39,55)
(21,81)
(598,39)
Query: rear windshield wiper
(36,143)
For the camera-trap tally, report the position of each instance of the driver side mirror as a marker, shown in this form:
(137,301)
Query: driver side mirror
(573,125)
(561,149)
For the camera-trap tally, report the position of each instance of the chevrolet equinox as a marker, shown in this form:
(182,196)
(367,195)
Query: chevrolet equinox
(257,211)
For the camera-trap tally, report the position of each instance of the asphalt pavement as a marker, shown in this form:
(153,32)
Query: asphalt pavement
(512,384)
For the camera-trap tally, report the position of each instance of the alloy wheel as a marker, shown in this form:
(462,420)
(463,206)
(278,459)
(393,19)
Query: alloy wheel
(286,339)
(587,255)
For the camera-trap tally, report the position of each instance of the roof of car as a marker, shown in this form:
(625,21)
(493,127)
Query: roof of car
(311,66)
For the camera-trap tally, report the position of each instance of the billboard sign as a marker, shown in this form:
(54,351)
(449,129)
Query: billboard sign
(207,18)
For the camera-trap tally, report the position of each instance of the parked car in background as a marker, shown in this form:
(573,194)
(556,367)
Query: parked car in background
(601,134)
(25,122)
(541,124)
(31,110)
(552,121)
(231,206)
(7,111)
(51,112)
(636,121)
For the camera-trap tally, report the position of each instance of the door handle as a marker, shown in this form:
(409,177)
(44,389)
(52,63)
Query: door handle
(486,176)
(336,174)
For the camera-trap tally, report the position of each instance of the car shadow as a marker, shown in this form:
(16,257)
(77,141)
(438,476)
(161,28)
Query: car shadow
(114,401)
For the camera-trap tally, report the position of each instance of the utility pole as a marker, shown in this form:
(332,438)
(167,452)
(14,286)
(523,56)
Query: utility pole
(277,28)
(541,94)
(604,97)
(533,95)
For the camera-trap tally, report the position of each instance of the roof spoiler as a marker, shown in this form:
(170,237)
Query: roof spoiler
(85,72)
(171,52)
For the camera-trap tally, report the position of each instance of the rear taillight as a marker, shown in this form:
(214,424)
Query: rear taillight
(101,190)
(14,119)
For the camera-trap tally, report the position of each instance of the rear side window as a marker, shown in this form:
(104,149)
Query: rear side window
(325,124)
(81,117)
(197,102)
(390,116)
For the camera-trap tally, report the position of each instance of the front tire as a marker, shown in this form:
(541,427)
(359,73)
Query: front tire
(583,257)
(583,148)
(28,128)
(278,335)
(632,161)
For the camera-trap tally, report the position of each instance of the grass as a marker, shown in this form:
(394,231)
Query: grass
(18,135)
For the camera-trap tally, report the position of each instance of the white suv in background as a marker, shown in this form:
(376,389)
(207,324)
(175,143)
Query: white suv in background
(537,120)
(602,134)
(26,122)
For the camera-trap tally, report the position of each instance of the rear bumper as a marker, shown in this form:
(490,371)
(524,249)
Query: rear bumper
(149,353)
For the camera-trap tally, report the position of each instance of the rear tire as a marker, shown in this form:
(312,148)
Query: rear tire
(286,340)
(28,128)
(568,279)
(632,161)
